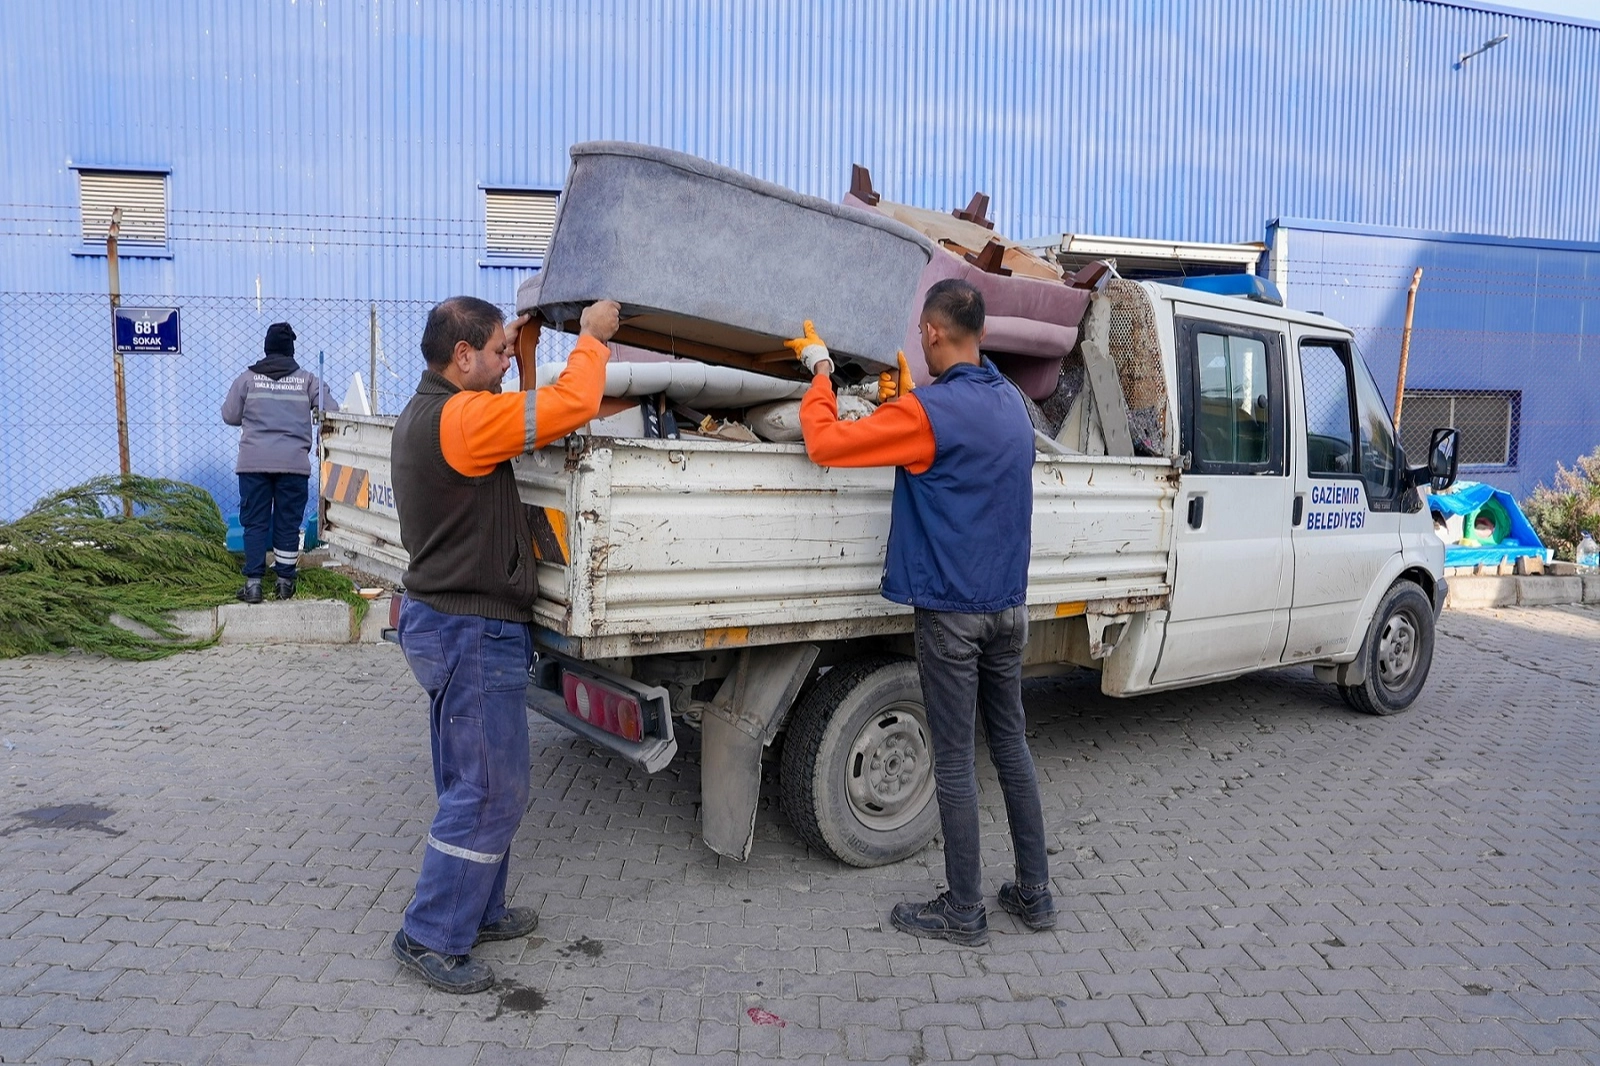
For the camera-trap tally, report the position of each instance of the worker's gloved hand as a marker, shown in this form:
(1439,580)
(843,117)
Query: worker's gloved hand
(892,385)
(811,352)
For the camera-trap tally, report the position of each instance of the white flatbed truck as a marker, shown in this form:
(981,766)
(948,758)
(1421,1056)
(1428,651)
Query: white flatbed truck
(733,587)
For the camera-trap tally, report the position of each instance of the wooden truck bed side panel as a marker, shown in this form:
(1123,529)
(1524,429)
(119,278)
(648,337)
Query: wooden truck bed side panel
(680,544)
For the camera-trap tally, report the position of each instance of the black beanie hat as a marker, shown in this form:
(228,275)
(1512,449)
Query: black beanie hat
(280,338)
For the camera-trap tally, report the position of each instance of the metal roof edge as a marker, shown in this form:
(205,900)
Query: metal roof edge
(1360,229)
(1516,12)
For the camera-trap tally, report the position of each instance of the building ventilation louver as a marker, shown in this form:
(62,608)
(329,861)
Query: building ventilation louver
(141,195)
(518,222)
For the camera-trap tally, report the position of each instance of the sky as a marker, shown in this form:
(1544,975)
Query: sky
(1583,9)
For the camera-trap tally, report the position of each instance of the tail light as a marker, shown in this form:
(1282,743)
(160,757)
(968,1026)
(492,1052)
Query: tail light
(613,710)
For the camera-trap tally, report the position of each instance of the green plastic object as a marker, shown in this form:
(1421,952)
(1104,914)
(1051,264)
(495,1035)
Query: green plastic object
(1491,509)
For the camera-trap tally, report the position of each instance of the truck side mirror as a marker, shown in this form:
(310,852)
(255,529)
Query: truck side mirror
(1443,460)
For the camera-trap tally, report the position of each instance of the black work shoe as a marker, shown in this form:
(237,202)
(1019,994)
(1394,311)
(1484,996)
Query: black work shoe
(251,593)
(448,973)
(286,588)
(1034,906)
(939,918)
(516,922)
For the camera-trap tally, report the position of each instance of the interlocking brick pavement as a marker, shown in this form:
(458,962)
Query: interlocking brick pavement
(203,859)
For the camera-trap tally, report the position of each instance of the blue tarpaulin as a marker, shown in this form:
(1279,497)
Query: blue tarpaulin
(1513,536)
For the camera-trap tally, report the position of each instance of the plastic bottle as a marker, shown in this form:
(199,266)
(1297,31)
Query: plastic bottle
(1588,555)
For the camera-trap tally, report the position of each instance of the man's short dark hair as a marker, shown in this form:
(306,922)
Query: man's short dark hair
(460,318)
(958,303)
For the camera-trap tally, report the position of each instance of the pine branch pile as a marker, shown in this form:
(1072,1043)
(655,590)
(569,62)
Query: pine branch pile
(74,560)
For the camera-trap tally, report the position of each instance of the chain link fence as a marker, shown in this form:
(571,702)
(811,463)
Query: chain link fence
(58,415)
(58,422)
(1521,400)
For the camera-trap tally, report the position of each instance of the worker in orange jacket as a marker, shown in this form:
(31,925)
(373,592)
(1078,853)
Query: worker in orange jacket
(470,589)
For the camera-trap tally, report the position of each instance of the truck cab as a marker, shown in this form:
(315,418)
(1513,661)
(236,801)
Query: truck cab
(1297,516)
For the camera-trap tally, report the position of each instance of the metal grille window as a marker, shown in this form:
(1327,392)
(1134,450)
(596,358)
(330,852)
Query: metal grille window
(142,195)
(518,222)
(1488,421)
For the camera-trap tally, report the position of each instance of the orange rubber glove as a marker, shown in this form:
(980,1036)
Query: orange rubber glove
(890,385)
(809,349)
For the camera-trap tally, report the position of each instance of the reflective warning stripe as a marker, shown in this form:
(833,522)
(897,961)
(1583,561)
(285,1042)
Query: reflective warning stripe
(462,853)
(549,534)
(346,484)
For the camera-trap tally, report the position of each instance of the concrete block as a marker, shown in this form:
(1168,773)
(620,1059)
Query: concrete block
(294,622)
(1591,588)
(376,621)
(1561,568)
(1474,593)
(1537,591)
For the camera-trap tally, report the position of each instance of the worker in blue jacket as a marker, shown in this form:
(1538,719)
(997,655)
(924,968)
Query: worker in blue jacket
(959,540)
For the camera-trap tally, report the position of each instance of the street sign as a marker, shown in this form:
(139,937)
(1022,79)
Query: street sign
(147,329)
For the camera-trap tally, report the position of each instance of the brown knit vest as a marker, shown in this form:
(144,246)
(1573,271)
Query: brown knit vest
(468,537)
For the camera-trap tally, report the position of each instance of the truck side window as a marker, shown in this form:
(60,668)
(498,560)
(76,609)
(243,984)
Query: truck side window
(1330,438)
(1348,431)
(1232,402)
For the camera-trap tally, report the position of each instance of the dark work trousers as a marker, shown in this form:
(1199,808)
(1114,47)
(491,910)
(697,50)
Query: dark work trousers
(270,509)
(971,664)
(475,671)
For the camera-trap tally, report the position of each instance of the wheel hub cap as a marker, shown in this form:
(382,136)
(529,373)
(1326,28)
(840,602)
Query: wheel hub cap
(1397,651)
(890,773)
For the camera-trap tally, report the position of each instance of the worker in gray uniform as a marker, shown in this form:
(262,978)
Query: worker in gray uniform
(272,402)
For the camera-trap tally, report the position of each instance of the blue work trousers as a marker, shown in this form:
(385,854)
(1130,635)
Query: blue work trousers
(270,509)
(475,671)
(971,664)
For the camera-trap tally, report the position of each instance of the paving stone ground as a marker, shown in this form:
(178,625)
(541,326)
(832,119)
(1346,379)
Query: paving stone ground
(202,860)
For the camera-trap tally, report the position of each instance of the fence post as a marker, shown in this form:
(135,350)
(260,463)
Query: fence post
(114,281)
(1405,349)
(372,355)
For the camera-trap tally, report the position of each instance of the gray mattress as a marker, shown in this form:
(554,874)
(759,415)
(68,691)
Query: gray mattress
(700,255)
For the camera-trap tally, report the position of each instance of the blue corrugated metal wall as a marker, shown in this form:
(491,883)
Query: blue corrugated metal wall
(1491,315)
(305,137)
(336,150)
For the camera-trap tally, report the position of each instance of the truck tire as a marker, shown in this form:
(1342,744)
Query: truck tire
(1398,652)
(857,773)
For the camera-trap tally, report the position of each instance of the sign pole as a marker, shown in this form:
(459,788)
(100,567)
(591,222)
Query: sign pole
(115,280)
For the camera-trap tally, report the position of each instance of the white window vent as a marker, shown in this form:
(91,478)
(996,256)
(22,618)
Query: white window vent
(142,195)
(518,222)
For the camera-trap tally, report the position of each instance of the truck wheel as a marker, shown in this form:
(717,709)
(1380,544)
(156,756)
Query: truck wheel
(857,774)
(1398,651)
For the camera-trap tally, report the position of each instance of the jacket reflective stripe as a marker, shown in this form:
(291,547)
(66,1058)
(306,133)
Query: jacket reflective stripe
(462,853)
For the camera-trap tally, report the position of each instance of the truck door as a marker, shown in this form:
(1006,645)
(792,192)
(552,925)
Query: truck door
(1233,576)
(1347,495)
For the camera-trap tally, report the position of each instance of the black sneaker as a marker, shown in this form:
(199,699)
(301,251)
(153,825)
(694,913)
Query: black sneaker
(251,593)
(286,588)
(516,922)
(448,973)
(1034,906)
(942,920)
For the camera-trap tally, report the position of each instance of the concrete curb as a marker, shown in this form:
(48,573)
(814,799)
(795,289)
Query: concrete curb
(1543,590)
(271,622)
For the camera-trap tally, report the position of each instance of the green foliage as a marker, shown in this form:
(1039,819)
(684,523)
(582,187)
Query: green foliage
(1562,514)
(75,560)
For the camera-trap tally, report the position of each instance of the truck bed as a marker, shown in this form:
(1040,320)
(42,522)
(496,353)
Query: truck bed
(655,546)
